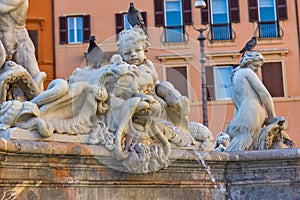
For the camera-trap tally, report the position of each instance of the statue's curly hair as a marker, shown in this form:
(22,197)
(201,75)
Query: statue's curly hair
(134,34)
(250,57)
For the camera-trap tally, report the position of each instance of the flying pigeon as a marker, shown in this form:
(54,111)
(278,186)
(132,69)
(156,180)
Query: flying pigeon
(134,17)
(249,45)
(94,54)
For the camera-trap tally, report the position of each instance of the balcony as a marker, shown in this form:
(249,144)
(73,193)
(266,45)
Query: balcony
(269,29)
(221,32)
(174,34)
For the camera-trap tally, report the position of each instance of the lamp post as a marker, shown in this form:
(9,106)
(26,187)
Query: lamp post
(201,4)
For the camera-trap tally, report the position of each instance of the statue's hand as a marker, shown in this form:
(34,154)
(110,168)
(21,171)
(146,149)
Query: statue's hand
(275,120)
(270,120)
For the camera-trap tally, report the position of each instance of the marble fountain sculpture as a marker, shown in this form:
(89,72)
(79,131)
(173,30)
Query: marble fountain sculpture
(117,132)
(122,106)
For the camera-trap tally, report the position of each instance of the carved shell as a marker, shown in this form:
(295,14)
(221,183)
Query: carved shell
(200,132)
(8,113)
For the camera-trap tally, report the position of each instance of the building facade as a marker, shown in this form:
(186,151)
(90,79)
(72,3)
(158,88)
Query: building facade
(175,49)
(40,28)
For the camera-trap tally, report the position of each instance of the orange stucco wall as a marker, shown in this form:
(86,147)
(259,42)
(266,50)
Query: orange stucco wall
(102,12)
(40,18)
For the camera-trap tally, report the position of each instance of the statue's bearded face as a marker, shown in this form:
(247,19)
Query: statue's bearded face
(132,98)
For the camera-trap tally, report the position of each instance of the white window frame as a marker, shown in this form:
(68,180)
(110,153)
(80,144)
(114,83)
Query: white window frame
(76,40)
(264,27)
(127,25)
(211,11)
(181,18)
(224,32)
(274,7)
(217,94)
(180,9)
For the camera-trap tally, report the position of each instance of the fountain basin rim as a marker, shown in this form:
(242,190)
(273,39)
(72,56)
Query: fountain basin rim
(79,149)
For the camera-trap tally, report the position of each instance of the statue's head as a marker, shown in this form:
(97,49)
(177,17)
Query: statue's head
(132,45)
(253,60)
(127,86)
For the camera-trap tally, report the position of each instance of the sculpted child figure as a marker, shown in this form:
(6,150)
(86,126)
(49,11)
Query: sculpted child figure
(249,97)
(15,43)
(132,45)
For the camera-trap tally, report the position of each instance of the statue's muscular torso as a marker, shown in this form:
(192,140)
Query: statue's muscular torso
(14,18)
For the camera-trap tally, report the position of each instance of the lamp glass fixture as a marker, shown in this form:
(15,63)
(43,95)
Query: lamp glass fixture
(200,4)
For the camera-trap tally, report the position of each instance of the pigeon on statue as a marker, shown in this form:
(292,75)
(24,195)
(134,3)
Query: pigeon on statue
(135,18)
(94,54)
(249,45)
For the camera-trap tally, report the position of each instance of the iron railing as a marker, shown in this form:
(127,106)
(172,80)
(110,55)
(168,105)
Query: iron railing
(221,32)
(269,29)
(174,34)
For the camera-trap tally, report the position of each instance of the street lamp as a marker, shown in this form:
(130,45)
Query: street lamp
(199,4)
(202,38)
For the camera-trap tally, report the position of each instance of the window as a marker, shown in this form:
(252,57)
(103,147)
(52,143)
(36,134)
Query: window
(74,29)
(33,34)
(127,25)
(122,22)
(173,15)
(173,19)
(220,20)
(222,82)
(218,80)
(178,77)
(219,14)
(272,78)
(267,18)
(267,14)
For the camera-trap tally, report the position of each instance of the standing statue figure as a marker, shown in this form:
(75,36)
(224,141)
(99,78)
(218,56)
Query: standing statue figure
(15,43)
(249,97)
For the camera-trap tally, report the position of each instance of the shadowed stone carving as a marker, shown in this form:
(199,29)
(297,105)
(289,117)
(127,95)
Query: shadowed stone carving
(16,83)
(121,106)
(124,107)
(16,46)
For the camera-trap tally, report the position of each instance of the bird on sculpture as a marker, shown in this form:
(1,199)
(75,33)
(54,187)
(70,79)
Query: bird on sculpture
(94,54)
(135,18)
(249,45)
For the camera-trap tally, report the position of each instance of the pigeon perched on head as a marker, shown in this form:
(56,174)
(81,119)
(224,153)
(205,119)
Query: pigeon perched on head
(249,45)
(135,18)
(94,54)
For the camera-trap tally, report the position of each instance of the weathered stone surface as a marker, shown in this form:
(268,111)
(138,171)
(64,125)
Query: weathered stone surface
(251,128)
(121,106)
(53,170)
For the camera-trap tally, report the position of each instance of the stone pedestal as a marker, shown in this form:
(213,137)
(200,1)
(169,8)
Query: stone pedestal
(53,170)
